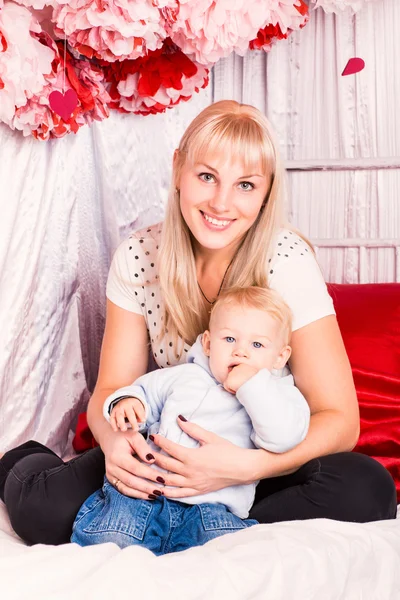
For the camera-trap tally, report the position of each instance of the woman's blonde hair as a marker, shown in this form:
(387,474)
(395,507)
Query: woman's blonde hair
(229,129)
(264,299)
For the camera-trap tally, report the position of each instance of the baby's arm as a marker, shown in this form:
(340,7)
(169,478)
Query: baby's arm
(150,390)
(279,412)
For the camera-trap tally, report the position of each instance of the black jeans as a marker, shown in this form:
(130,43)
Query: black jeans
(43,494)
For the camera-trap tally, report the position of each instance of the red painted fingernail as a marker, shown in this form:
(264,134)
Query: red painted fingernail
(160,479)
(182,418)
(152,497)
(151,437)
(157,492)
(149,457)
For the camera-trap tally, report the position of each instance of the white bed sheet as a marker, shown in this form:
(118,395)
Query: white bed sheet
(303,560)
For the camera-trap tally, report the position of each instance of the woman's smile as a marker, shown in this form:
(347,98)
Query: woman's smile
(214,223)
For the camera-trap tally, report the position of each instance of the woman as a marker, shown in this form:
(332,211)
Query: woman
(224,226)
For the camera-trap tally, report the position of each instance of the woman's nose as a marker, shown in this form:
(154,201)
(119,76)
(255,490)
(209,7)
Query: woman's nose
(220,202)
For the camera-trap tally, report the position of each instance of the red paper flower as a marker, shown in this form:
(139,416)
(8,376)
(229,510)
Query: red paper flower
(86,79)
(272,33)
(154,83)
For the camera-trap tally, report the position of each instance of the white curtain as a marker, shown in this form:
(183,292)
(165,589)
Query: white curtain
(66,204)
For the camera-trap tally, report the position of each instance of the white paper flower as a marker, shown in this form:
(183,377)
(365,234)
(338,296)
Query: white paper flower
(24,61)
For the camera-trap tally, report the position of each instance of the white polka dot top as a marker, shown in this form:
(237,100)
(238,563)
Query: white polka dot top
(133,284)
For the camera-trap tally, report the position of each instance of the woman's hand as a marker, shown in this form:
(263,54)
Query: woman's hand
(135,479)
(216,464)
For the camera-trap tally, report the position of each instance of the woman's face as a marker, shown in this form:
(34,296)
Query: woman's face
(220,201)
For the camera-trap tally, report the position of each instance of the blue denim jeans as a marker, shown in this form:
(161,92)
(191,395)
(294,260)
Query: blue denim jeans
(161,525)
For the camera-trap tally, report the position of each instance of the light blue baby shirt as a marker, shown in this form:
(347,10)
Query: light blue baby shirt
(267,412)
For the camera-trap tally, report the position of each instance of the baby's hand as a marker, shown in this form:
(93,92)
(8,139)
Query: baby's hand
(238,376)
(128,408)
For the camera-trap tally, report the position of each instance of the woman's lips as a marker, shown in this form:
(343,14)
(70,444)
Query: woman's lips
(215,227)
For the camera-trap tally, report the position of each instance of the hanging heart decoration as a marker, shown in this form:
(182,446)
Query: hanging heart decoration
(354,65)
(63,104)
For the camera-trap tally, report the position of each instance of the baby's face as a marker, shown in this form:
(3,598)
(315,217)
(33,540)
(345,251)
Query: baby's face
(243,335)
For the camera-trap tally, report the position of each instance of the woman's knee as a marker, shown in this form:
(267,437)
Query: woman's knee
(365,490)
(34,515)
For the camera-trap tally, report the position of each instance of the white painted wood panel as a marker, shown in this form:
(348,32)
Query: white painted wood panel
(339,135)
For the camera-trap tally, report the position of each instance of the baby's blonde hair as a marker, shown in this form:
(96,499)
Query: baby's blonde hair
(264,299)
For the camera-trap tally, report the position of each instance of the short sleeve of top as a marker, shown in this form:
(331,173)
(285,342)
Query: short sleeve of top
(132,281)
(133,284)
(295,274)
(120,283)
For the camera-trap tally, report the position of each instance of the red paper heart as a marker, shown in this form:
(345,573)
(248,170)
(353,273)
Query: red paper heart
(63,104)
(354,65)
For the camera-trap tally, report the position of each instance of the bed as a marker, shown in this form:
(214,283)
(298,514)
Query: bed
(318,559)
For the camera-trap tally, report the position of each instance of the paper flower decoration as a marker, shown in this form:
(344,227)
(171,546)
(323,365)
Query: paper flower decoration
(156,82)
(36,4)
(110,29)
(267,36)
(140,56)
(24,61)
(85,79)
(211,30)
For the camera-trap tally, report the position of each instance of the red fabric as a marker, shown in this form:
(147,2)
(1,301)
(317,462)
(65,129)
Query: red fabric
(369,319)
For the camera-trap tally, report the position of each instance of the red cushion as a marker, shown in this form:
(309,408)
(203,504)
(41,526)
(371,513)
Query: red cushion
(83,439)
(369,319)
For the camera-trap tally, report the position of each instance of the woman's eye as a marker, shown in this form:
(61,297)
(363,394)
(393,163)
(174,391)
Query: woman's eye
(246,186)
(206,177)
(230,339)
(257,345)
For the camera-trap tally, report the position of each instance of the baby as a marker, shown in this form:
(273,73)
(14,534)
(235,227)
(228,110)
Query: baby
(227,387)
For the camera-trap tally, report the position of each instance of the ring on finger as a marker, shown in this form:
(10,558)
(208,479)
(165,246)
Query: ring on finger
(116,483)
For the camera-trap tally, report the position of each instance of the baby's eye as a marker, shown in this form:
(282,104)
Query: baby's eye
(257,345)
(207,177)
(247,186)
(230,339)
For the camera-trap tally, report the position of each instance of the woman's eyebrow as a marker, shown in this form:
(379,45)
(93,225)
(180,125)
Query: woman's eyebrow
(241,177)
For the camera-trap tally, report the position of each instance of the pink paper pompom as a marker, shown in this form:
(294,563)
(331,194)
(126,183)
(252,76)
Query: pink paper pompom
(24,61)
(85,79)
(36,4)
(211,30)
(110,29)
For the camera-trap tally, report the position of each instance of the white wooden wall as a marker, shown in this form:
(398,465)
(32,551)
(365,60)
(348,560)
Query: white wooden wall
(340,135)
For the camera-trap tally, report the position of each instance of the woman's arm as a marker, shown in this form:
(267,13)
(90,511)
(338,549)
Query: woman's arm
(124,358)
(322,372)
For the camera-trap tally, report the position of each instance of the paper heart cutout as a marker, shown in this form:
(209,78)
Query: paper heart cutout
(63,104)
(354,65)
